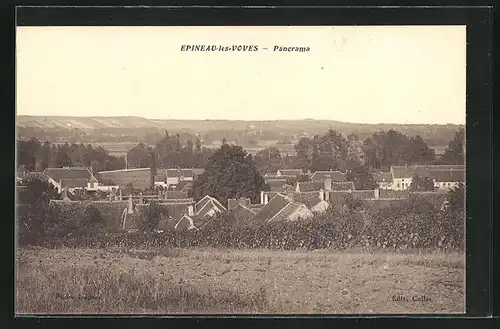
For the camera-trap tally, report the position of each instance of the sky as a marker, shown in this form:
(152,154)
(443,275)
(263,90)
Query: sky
(362,74)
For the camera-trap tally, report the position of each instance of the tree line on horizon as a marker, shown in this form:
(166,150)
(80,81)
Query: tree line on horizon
(330,151)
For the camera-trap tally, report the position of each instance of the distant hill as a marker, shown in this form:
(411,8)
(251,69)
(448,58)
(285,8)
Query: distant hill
(438,134)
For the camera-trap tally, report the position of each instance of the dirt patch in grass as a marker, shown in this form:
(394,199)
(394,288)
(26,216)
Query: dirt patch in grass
(209,281)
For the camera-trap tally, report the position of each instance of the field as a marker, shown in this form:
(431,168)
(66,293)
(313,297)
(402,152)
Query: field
(210,281)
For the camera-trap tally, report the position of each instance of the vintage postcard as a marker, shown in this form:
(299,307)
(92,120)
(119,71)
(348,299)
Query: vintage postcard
(240,170)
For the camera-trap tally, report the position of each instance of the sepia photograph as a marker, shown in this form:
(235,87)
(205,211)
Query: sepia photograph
(253,170)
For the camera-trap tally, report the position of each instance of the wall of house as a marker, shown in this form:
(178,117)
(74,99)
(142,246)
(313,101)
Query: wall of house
(445,185)
(400,184)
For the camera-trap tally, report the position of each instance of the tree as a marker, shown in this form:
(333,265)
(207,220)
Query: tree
(303,148)
(139,156)
(362,178)
(37,193)
(330,151)
(268,159)
(419,152)
(230,173)
(454,153)
(422,184)
(26,153)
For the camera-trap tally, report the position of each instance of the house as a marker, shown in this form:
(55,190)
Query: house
(71,178)
(383,179)
(208,207)
(314,201)
(335,176)
(282,208)
(447,179)
(402,177)
(174,176)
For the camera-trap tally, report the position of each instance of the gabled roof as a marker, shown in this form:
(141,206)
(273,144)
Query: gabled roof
(207,203)
(186,222)
(310,186)
(233,203)
(275,183)
(399,172)
(457,176)
(256,207)
(382,177)
(275,205)
(310,199)
(73,183)
(69,173)
(288,210)
(242,212)
(342,186)
(335,176)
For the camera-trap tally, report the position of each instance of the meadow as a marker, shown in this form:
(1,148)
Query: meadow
(227,281)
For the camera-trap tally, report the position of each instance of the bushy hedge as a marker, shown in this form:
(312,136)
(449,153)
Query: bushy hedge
(413,224)
(344,230)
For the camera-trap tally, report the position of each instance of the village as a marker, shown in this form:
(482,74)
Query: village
(291,194)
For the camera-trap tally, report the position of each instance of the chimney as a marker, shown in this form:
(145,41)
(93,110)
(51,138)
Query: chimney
(130,206)
(190,211)
(377,193)
(261,197)
(328,184)
(322,194)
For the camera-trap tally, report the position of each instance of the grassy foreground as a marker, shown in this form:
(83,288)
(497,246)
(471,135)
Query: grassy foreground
(210,281)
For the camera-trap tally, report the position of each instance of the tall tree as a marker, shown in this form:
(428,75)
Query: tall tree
(230,173)
(454,153)
(139,156)
(26,153)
